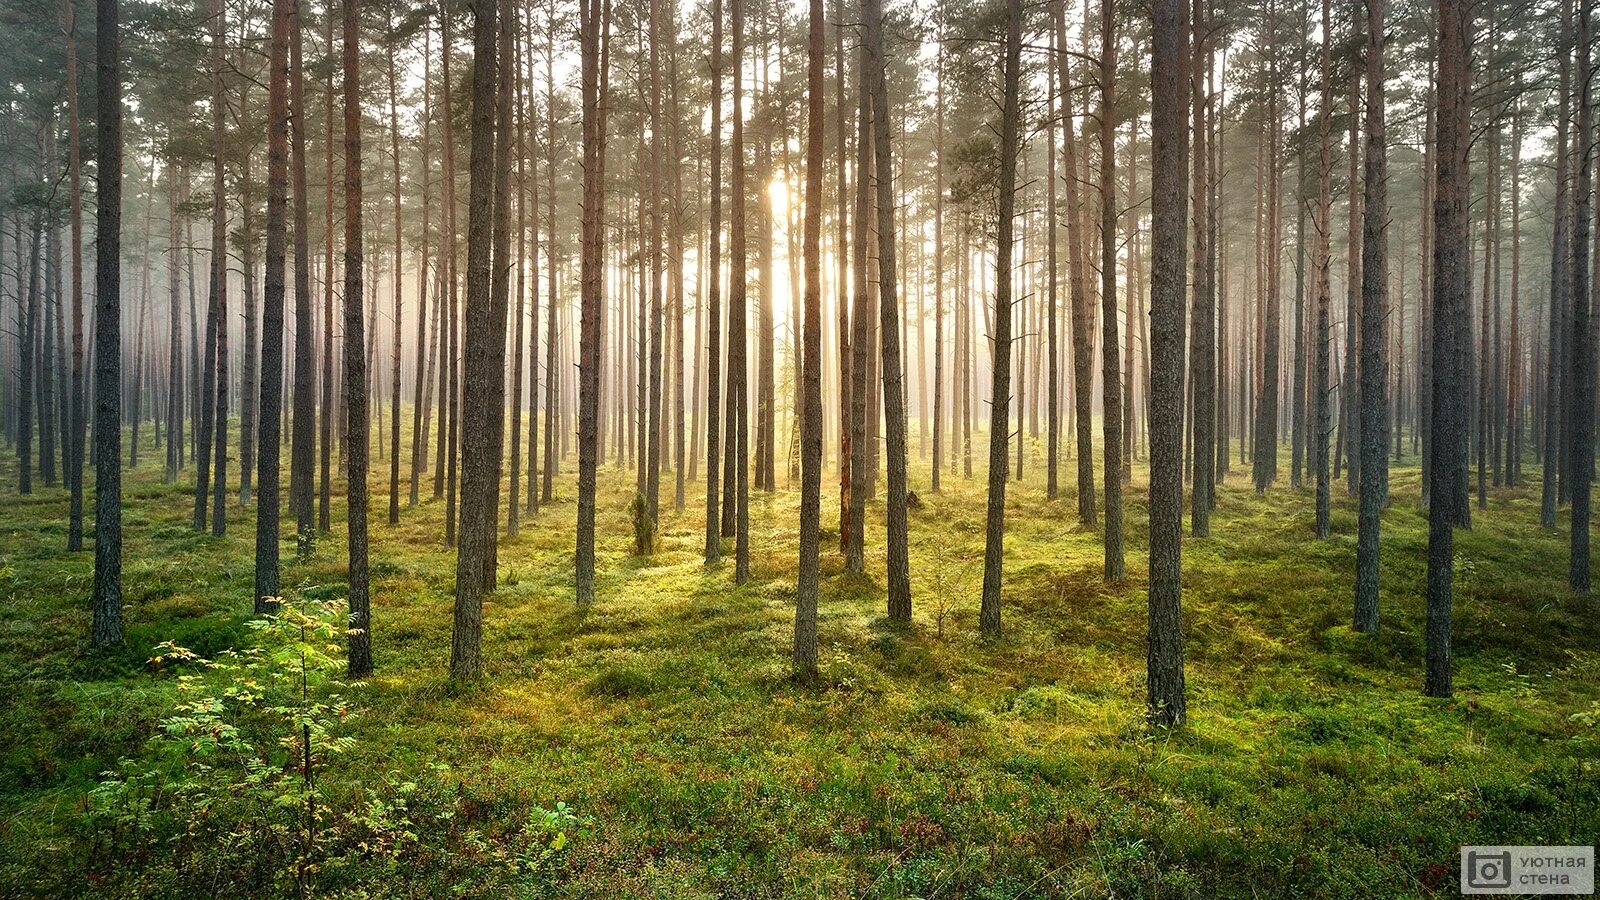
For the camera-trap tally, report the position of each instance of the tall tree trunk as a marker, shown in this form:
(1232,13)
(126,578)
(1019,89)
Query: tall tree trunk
(303,451)
(1052,212)
(106,622)
(675,261)
(48,315)
(1265,463)
(450,424)
(1514,380)
(1202,354)
(1110,365)
(1582,361)
(219,275)
(426,347)
(327,431)
(652,458)
(552,371)
(355,364)
(938,269)
(1450,261)
(1349,410)
(250,374)
(1320,391)
(1298,380)
(1558,294)
(738,380)
(1169,243)
(75,445)
(483,407)
(273,290)
(595,24)
(1374,300)
(862,459)
(842,247)
(1082,311)
(894,400)
(514,483)
(176,388)
(805,616)
(397,288)
(213,383)
(713,543)
(1000,403)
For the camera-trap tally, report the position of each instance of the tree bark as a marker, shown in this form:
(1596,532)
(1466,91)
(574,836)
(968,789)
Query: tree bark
(1169,245)
(397,288)
(1203,352)
(738,380)
(355,364)
(105,628)
(268,570)
(1450,261)
(1581,370)
(1320,390)
(482,413)
(1374,300)
(1000,403)
(75,445)
(303,451)
(426,347)
(713,542)
(1110,365)
(1082,312)
(595,24)
(805,616)
(894,399)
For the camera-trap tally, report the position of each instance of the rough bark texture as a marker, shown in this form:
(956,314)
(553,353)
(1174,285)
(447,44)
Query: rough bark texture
(105,627)
(426,348)
(1110,363)
(1082,314)
(303,451)
(75,446)
(1320,398)
(1450,261)
(894,399)
(595,18)
(325,432)
(483,405)
(738,380)
(1264,462)
(713,543)
(1203,353)
(1374,302)
(274,289)
(805,613)
(219,280)
(399,293)
(1169,246)
(1581,454)
(861,456)
(1000,403)
(1559,271)
(355,364)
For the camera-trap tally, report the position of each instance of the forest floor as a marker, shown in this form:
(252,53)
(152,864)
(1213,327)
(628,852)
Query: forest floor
(924,763)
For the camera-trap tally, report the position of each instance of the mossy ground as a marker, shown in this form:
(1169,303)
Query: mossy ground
(925,762)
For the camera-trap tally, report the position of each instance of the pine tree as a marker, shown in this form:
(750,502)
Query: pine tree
(1000,402)
(106,625)
(1169,245)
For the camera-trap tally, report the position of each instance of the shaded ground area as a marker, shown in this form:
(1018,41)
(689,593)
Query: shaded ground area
(926,763)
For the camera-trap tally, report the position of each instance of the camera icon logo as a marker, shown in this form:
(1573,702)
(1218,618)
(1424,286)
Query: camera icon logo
(1488,870)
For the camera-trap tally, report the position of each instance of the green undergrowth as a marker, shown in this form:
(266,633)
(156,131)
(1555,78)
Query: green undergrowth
(655,745)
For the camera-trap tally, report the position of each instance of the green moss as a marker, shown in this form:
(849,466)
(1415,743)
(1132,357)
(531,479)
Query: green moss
(923,761)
